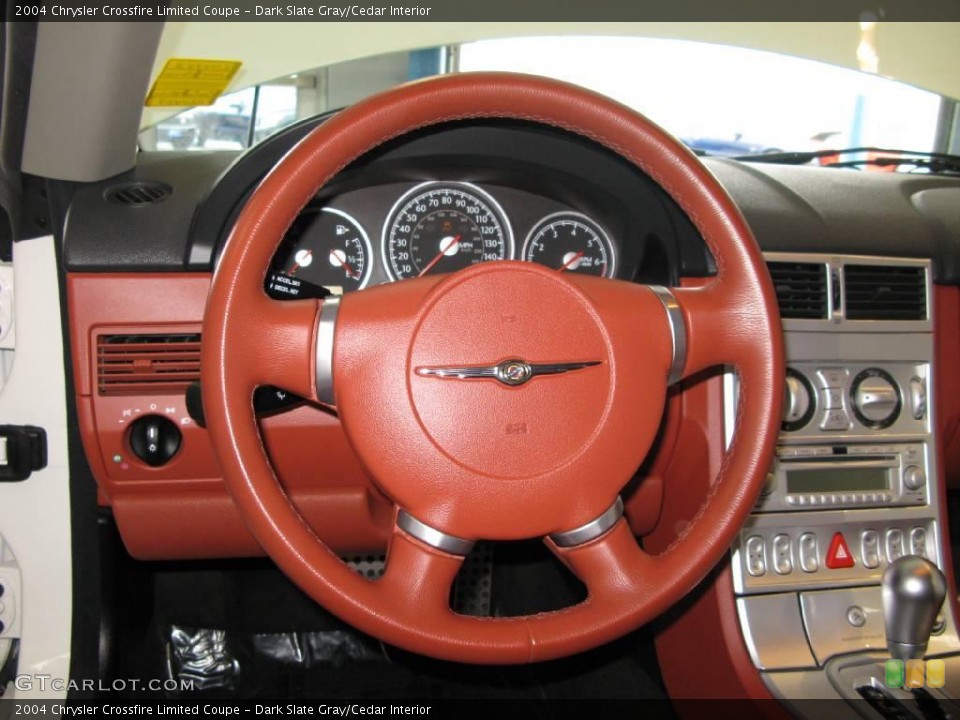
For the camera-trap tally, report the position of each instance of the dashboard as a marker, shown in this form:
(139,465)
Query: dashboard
(871,469)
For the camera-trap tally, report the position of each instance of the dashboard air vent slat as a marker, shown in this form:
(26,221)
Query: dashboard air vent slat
(138,193)
(801,289)
(147,364)
(885,292)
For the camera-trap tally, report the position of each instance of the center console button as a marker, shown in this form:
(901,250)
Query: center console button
(835,420)
(838,554)
(918,541)
(856,616)
(807,550)
(832,377)
(894,543)
(756,565)
(832,398)
(782,560)
(870,548)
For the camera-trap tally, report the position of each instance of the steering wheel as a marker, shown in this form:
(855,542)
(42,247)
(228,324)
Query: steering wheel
(502,402)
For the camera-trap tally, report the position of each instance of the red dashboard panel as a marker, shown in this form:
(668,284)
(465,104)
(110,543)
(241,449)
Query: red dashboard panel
(181,509)
(947,392)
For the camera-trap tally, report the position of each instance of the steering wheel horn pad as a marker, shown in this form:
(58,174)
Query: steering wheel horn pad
(475,457)
(572,371)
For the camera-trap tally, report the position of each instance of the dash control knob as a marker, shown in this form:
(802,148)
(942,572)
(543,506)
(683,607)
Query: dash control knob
(914,477)
(876,398)
(154,439)
(799,401)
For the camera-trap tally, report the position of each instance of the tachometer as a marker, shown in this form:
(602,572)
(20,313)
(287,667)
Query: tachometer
(441,227)
(571,242)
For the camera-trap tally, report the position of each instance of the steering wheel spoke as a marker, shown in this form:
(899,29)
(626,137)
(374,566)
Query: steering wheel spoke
(418,572)
(613,566)
(714,328)
(278,346)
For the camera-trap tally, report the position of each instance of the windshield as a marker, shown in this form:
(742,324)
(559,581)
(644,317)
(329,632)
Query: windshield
(718,99)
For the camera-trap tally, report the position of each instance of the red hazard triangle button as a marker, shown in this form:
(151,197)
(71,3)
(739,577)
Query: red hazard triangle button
(838,554)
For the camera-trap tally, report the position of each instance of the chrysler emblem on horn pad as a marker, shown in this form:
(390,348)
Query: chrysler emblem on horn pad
(509,372)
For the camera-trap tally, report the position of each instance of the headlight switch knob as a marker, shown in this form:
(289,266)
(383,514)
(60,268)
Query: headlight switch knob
(154,439)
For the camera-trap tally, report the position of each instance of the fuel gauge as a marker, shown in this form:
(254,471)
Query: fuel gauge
(571,242)
(331,250)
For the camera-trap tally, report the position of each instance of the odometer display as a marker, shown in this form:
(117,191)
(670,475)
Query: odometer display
(444,227)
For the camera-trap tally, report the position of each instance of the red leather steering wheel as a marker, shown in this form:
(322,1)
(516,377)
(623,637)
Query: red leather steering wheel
(568,376)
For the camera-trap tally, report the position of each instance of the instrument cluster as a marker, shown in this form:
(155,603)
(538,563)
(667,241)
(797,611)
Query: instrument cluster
(397,231)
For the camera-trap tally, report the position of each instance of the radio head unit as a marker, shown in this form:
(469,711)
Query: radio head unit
(818,477)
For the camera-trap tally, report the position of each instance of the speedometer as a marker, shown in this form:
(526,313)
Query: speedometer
(440,227)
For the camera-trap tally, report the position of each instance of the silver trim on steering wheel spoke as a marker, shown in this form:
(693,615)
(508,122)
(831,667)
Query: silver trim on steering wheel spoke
(326,328)
(678,332)
(592,530)
(431,536)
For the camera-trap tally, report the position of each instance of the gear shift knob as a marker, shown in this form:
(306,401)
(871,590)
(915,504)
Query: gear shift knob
(913,591)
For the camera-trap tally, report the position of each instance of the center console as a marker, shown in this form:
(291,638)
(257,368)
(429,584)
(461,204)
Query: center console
(853,486)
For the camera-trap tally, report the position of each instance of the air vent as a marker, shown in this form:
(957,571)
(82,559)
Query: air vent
(801,289)
(147,364)
(138,193)
(885,292)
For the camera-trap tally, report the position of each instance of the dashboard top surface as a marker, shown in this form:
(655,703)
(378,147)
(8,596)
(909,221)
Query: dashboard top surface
(536,172)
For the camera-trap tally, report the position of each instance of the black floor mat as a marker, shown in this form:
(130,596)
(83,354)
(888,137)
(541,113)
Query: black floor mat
(240,629)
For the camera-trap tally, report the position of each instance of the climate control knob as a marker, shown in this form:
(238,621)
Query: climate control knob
(799,401)
(876,398)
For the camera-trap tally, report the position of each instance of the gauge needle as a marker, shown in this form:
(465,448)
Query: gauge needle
(571,260)
(448,246)
(302,259)
(338,258)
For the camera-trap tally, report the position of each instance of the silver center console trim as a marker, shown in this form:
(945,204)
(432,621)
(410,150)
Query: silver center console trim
(780,559)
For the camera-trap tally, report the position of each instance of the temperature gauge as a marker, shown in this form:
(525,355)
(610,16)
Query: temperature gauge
(571,242)
(331,250)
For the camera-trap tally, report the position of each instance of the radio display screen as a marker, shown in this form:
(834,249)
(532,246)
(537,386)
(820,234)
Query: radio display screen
(836,480)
